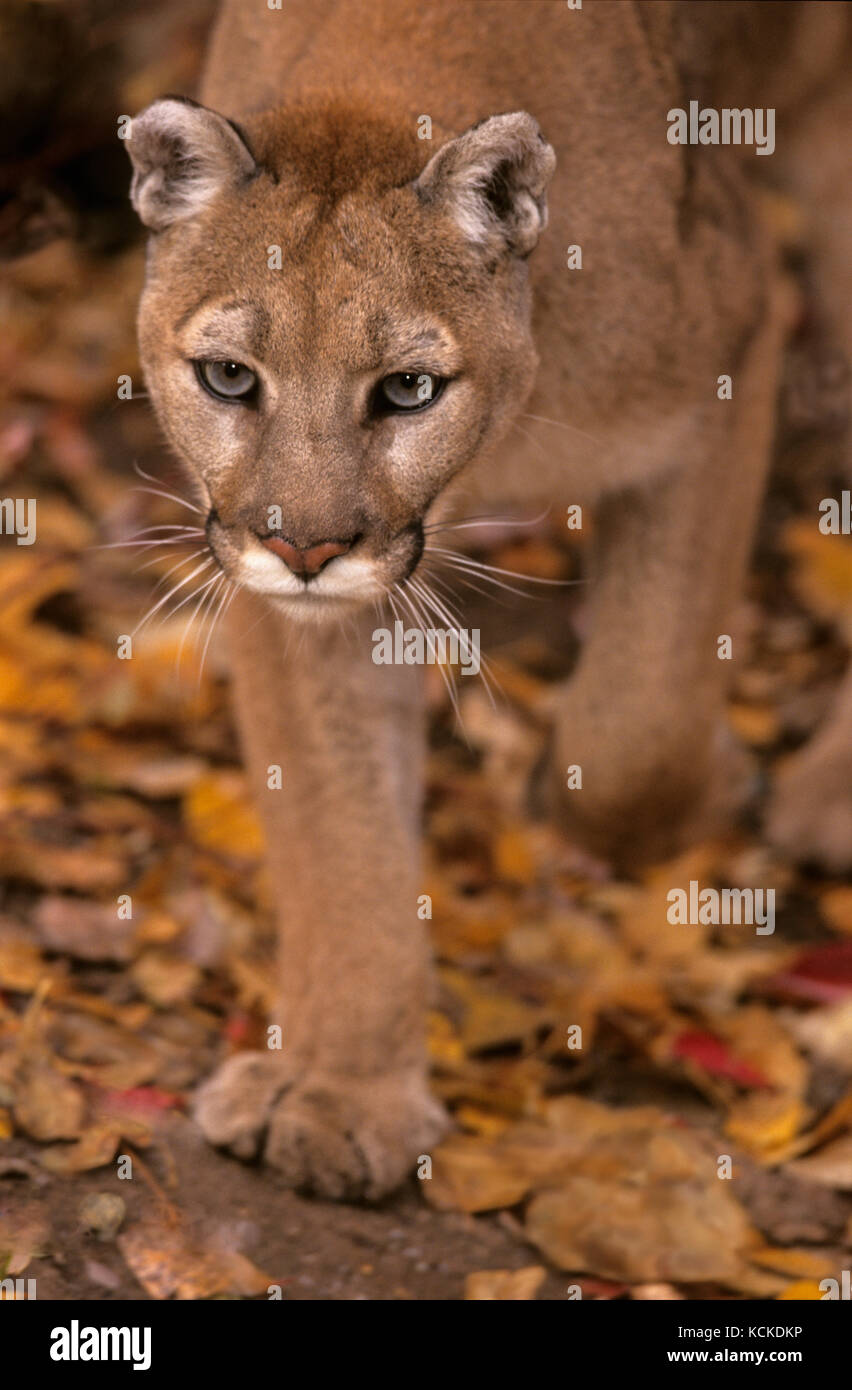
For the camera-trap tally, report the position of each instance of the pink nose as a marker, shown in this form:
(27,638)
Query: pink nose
(307,561)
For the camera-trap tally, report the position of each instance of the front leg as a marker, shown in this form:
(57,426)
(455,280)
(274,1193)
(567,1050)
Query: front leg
(343,1109)
(643,717)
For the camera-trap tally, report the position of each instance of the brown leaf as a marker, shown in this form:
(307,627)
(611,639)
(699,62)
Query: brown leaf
(96,1146)
(85,930)
(469,1175)
(22,967)
(831,1165)
(24,1234)
(686,1231)
(169,1264)
(47,1105)
(165,979)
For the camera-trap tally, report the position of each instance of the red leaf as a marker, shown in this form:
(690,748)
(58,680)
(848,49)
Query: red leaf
(821,975)
(144,1098)
(601,1288)
(237,1028)
(715,1057)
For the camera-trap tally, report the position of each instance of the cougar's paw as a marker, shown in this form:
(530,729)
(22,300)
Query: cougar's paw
(233,1106)
(810,809)
(332,1135)
(342,1137)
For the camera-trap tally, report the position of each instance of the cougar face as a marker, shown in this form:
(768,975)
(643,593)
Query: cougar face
(327,344)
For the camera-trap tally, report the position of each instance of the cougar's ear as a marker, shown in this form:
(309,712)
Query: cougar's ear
(492,181)
(183,155)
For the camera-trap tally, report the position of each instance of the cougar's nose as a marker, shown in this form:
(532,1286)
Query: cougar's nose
(306,561)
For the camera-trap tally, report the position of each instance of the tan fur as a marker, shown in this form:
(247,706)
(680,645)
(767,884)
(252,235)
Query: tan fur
(389,263)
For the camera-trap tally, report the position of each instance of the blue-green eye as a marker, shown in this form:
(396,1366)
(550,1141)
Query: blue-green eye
(228,381)
(408,391)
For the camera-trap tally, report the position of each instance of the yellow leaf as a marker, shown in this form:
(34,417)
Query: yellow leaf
(169,1265)
(444,1046)
(469,1175)
(766,1124)
(514,861)
(482,1122)
(505,1283)
(96,1146)
(807,1264)
(220,816)
(758,725)
(802,1290)
(822,570)
(490,1018)
(836,907)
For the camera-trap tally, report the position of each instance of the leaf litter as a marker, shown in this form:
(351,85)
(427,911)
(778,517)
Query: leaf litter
(655,1111)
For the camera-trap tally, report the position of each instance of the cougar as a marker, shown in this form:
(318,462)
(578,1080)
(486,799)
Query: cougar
(391,232)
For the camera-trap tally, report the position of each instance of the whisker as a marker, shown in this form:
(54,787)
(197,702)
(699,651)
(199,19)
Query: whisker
(205,595)
(174,495)
(184,560)
(157,606)
(481,568)
(408,599)
(170,497)
(456,568)
(446,614)
(135,545)
(443,583)
(466,523)
(531,437)
(562,425)
(224,605)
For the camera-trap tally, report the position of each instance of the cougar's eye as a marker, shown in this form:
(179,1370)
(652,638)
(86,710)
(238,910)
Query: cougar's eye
(407,391)
(229,381)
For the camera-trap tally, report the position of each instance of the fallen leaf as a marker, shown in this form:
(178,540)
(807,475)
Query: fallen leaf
(822,975)
(826,1031)
(836,907)
(671,1232)
(221,818)
(654,1293)
(96,1146)
(169,1264)
(509,1284)
(712,1055)
(492,1018)
(766,1124)
(22,967)
(85,930)
(468,1176)
(164,978)
(822,575)
(802,1290)
(805,1263)
(47,1105)
(831,1165)
(24,1236)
